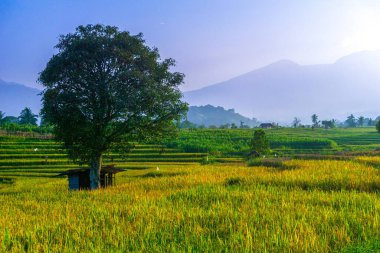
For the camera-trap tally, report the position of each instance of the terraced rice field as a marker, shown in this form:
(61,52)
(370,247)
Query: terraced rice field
(283,141)
(292,206)
(307,206)
(34,157)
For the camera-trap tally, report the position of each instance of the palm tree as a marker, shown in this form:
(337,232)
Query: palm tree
(361,121)
(296,122)
(27,117)
(314,119)
(351,121)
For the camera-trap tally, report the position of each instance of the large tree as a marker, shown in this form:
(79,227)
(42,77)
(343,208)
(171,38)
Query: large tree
(105,87)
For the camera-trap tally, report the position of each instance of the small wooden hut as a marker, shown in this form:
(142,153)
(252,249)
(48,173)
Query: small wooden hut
(267,125)
(79,179)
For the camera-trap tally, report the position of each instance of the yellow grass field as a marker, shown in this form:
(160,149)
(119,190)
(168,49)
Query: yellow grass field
(307,206)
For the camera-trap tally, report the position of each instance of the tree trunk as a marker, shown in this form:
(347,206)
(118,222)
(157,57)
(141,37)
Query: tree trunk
(96,166)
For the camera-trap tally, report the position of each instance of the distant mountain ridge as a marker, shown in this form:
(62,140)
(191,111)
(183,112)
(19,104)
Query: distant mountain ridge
(278,92)
(284,90)
(209,115)
(15,97)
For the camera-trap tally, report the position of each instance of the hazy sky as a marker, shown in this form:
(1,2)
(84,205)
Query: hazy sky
(211,41)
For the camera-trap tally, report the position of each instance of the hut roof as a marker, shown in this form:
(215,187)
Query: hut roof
(104,170)
(266,125)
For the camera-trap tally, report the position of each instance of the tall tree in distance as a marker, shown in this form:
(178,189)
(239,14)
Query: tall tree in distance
(105,87)
(259,144)
(328,123)
(314,119)
(351,121)
(1,117)
(378,126)
(27,117)
(361,121)
(296,122)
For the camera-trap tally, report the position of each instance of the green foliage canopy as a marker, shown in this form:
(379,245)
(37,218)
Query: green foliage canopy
(328,123)
(378,126)
(314,119)
(259,143)
(104,87)
(351,121)
(361,121)
(27,117)
(1,117)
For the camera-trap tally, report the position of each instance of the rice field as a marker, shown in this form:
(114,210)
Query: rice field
(313,206)
(34,157)
(283,141)
(187,206)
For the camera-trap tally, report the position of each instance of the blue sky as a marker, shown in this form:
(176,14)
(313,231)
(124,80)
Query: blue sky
(211,41)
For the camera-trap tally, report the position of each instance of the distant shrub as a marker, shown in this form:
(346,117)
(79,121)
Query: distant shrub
(233,181)
(6,180)
(259,145)
(153,174)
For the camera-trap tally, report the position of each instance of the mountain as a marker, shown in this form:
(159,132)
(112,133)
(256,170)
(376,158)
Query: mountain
(210,115)
(284,90)
(278,92)
(15,97)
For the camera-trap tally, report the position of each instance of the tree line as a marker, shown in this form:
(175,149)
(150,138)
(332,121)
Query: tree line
(351,121)
(27,121)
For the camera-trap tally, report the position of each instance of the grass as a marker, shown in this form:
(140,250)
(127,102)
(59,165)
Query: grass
(283,141)
(328,200)
(321,206)
(268,162)
(20,155)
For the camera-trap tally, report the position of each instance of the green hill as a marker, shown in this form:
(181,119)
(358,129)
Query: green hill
(209,115)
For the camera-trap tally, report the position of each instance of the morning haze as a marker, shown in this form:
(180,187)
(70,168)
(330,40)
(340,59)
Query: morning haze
(189,126)
(211,41)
